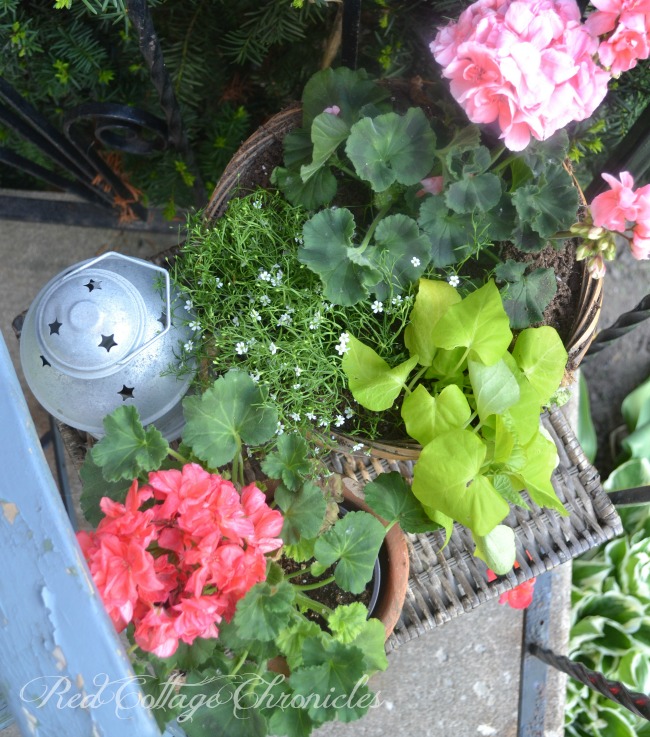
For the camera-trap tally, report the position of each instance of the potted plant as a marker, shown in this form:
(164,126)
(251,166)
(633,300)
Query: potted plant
(219,586)
(428,234)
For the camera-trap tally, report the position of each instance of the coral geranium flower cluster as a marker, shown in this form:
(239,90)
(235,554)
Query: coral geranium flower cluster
(179,554)
(533,67)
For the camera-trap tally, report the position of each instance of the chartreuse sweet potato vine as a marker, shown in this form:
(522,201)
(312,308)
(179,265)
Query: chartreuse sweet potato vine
(473,403)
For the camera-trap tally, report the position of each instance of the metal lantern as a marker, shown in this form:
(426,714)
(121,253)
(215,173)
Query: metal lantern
(103,334)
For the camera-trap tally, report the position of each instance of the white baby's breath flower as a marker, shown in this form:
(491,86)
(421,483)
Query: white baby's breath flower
(257,205)
(348,412)
(454,280)
(397,300)
(377,306)
(280,429)
(323,422)
(265,299)
(255,376)
(273,349)
(284,321)
(241,348)
(357,447)
(295,416)
(340,420)
(188,304)
(235,321)
(189,345)
(310,416)
(218,282)
(297,370)
(264,275)
(415,261)
(295,387)
(256,315)
(195,326)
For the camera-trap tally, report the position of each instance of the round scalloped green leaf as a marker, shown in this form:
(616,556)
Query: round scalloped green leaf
(318,191)
(373,383)
(327,133)
(542,357)
(479,323)
(476,192)
(392,148)
(390,497)
(431,303)
(448,234)
(303,512)
(328,251)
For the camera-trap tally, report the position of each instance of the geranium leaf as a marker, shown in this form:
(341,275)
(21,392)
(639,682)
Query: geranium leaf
(538,154)
(127,449)
(525,297)
(371,643)
(288,461)
(431,303)
(392,148)
(264,611)
(291,640)
(426,417)
(289,722)
(95,486)
(303,512)
(231,413)
(449,236)
(549,205)
(373,383)
(467,158)
(297,148)
(541,356)
(390,497)
(335,670)
(354,542)
(495,387)
(479,323)
(476,192)
(497,549)
(401,251)
(318,191)
(329,252)
(446,478)
(327,133)
(350,90)
(347,621)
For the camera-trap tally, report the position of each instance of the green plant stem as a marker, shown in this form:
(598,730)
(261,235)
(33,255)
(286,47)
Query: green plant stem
(315,606)
(364,243)
(492,256)
(287,576)
(415,379)
(238,469)
(239,663)
(175,454)
(311,586)
(460,363)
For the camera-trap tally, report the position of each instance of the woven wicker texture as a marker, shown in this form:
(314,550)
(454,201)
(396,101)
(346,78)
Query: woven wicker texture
(446,582)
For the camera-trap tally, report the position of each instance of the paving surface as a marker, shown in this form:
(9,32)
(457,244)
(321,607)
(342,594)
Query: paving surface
(462,679)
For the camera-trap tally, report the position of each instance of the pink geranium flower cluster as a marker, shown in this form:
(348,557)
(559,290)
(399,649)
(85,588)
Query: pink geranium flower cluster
(623,26)
(527,65)
(179,554)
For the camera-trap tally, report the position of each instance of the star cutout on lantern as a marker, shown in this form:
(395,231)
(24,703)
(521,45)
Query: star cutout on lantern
(107,342)
(54,327)
(126,392)
(45,361)
(92,284)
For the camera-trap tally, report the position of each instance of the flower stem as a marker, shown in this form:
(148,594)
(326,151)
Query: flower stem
(415,379)
(364,243)
(315,606)
(175,454)
(317,585)
(239,663)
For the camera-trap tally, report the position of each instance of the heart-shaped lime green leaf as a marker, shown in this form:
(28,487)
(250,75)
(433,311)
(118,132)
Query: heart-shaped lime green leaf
(479,323)
(497,549)
(401,251)
(354,542)
(332,671)
(318,191)
(476,192)
(431,303)
(495,387)
(426,417)
(390,497)
(289,461)
(127,449)
(231,413)
(392,148)
(303,512)
(327,133)
(542,357)
(373,383)
(446,477)
(503,483)
(449,236)
(264,611)
(328,251)
(541,459)
(350,90)
(525,297)
(549,205)
(523,415)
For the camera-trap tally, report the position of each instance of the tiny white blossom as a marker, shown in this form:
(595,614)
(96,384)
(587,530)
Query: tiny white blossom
(195,326)
(256,315)
(298,240)
(265,299)
(397,300)
(218,282)
(264,276)
(340,420)
(357,447)
(415,261)
(295,387)
(298,370)
(284,321)
(280,430)
(273,349)
(349,412)
(295,416)
(377,306)
(257,204)
(454,280)
(235,321)
(241,348)
(255,377)
(342,348)
(310,415)
(188,304)
(323,422)
(189,345)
